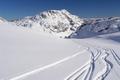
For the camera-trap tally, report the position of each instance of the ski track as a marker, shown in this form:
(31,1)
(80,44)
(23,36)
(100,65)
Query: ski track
(116,57)
(108,66)
(88,69)
(77,72)
(47,66)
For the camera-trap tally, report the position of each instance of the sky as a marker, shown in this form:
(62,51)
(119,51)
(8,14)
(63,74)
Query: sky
(13,9)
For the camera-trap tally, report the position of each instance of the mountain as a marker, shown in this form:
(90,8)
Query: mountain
(104,25)
(97,26)
(63,24)
(56,22)
(2,20)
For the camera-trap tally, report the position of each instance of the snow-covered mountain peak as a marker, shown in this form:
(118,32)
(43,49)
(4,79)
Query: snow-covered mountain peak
(57,22)
(53,12)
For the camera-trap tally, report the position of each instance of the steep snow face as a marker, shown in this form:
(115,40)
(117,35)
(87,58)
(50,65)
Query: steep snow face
(2,20)
(57,22)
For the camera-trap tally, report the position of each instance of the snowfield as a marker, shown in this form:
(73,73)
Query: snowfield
(23,50)
(26,54)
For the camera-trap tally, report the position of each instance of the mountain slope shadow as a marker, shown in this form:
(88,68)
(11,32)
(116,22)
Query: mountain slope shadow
(115,38)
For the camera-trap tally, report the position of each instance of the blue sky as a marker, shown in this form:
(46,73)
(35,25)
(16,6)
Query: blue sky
(12,9)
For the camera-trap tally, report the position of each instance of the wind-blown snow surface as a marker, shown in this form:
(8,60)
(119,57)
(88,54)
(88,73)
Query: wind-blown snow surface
(29,55)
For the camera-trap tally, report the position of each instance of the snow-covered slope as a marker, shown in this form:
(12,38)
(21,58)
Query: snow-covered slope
(57,22)
(23,50)
(29,55)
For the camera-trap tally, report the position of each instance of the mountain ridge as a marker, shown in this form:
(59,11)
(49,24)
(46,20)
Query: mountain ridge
(63,24)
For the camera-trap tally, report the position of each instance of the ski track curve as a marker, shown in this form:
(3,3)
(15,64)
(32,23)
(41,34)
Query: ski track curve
(47,66)
(88,68)
(108,66)
(90,65)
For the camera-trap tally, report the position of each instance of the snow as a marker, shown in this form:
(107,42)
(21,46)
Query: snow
(28,51)
(108,49)
(27,54)
(23,50)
